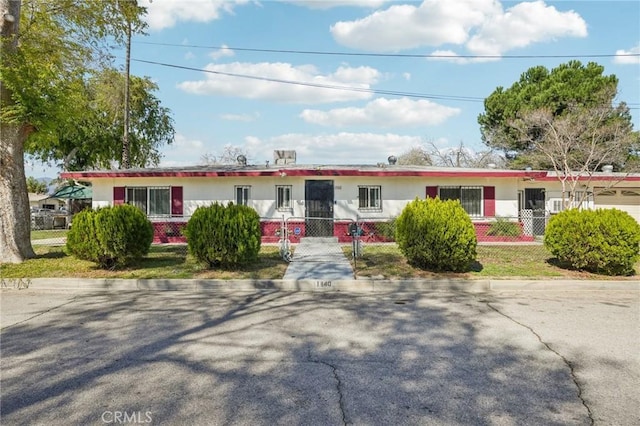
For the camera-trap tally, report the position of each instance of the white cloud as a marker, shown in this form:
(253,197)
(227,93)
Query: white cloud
(337,148)
(329,4)
(247,118)
(482,26)
(222,52)
(182,152)
(451,56)
(167,13)
(628,60)
(524,24)
(266,82)
(406,26)
(383,113)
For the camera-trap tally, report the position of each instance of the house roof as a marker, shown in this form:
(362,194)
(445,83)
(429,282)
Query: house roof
(381,169)
(33,197)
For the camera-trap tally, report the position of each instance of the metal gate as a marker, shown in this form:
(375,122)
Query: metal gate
(294,229)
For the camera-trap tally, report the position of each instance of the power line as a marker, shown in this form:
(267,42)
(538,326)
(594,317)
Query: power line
(322,86)
(390,55)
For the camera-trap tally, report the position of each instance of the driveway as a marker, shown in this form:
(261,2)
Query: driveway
(292,358)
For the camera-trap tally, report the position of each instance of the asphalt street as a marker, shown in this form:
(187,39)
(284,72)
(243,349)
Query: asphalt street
(320,358)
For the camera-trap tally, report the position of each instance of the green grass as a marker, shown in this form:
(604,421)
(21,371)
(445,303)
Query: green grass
(162,262)
(492,261)
(48,233)
(382,261)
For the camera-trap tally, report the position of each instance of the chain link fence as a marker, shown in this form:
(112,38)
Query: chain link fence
(504,244)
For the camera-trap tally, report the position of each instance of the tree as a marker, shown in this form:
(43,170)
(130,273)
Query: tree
(556,91)
(229,155)
(34,186)
(91,134)
(46,50)
(416,156)
(577,143)
(462,156)
(459,156)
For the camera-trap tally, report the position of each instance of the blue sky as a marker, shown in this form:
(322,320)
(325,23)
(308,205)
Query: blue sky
(366,125)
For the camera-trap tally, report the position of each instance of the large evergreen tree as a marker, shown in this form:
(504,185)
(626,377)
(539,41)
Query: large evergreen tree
(558,92)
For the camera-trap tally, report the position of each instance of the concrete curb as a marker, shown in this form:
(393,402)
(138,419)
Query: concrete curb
(358,286)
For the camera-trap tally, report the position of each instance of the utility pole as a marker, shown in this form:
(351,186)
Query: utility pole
(125,137)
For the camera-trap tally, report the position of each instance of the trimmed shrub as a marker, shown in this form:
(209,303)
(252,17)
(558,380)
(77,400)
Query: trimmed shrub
(111,236)
(224,236)
(504,228)
(436,235)
(605,241)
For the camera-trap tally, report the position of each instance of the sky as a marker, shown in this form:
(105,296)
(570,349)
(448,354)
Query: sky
(353,82)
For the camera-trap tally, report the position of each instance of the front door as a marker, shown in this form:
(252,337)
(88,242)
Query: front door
(319,208)
(534,199)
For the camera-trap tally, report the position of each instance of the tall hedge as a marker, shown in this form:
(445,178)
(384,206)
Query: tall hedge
(224,236)
(111,236)
(605,241)
(436,235)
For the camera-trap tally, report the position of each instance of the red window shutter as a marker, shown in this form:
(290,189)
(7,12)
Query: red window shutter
(176,201)
(432,191)
(118,195)
(489,201)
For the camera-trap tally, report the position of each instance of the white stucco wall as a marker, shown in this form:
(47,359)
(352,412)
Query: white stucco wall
(396,192)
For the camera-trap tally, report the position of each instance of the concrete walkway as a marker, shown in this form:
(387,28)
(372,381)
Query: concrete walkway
(319,259)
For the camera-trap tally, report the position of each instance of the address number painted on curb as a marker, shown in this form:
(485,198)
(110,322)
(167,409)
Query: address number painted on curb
(323,284)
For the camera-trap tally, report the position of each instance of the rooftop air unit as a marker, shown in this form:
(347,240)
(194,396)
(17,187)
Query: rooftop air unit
(281,156)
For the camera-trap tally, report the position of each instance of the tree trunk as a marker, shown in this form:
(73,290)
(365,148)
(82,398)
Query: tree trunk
(15,219)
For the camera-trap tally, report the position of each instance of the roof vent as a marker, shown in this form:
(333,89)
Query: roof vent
(242,160)
(392,160)
(608,168)
(281,156)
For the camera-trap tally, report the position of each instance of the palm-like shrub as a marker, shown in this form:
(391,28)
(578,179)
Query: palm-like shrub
(224,236)
(111,236)
(605,241)
(436,235)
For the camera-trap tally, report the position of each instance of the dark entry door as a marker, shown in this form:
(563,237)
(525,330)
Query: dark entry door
(534,199)
(319,208)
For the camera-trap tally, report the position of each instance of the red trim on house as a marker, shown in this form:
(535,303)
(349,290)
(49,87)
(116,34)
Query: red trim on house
(118,195)
(489,201)
(432,191)
(176,201)
(307,172)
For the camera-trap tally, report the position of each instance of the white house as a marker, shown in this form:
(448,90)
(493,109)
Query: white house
(324,199)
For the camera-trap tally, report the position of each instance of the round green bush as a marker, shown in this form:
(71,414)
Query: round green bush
(224,236)
(110,236)
(436,235)
(605,241)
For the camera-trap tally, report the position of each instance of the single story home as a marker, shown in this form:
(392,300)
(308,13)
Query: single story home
(44,201)
(324,200)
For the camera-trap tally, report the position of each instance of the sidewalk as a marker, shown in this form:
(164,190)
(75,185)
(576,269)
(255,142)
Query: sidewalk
(319,259)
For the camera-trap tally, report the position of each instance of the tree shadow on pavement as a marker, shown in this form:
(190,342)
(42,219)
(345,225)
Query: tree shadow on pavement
(281,358)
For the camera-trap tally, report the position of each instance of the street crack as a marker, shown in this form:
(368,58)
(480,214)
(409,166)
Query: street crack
(334,370)
(568,363)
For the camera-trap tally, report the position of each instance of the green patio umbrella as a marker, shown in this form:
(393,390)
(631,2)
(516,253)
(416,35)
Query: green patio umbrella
(73,192)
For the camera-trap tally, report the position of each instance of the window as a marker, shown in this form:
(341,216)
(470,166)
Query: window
(283,198)
(630,192)
(470,197)
(242,195)
(153,201)
(369,198)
